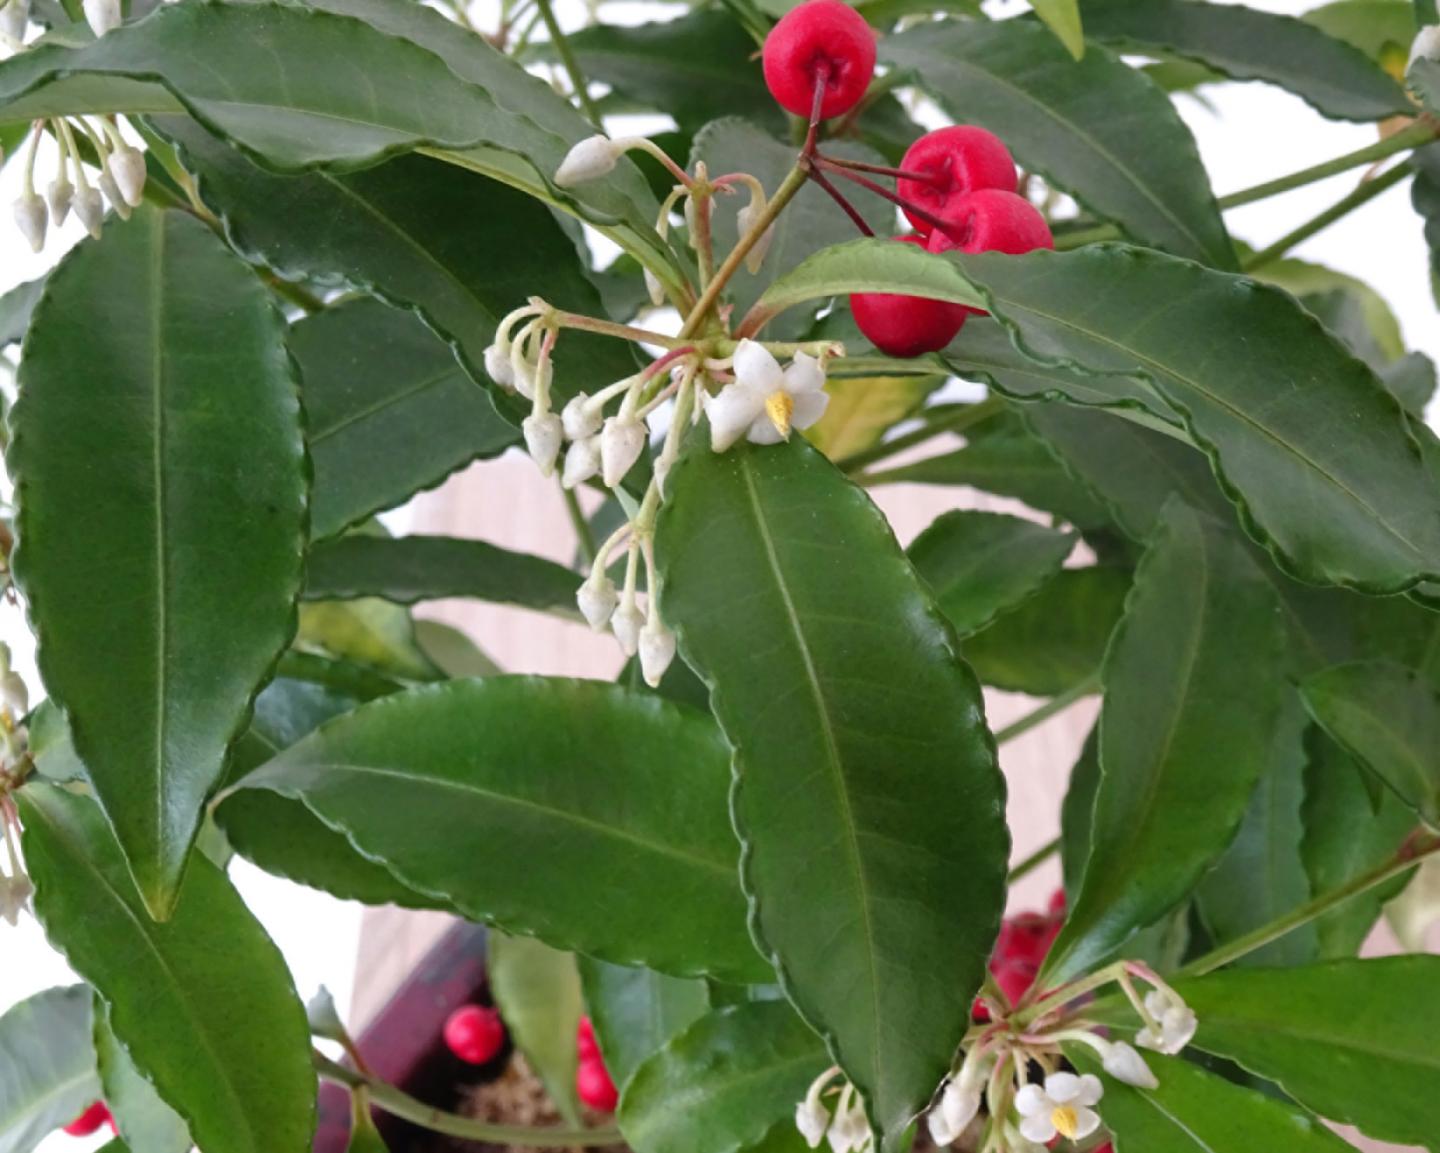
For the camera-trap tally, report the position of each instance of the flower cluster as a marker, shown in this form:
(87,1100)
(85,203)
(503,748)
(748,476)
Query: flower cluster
(15,888)
(120,177)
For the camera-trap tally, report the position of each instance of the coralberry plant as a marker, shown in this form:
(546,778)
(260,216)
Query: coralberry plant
(750,894)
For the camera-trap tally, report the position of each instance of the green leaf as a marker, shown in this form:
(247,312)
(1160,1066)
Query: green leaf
(1426,12)
(1305,280)
(141,1117)
(202,1002)
(1334,78)
(453,653)
(159,429)
(369,632)
(1057,638)
(866,781)
(390,411)
(1425,196)
(1097,129)
(811,223)
(419,234)
(1346,835)
(1078,812)
(584,768)
(981,564)
(723,1083)
(1192,694)
(1262,875)
(537,990)
(1388,718)
(364,1136)
(16,307)
(1412,380)
(47,1066)
(862,408)
(1352,1040)
(1062,17)
(1197,1112)
(1424,80)
(636,1011)
(1376,27)
(415,568)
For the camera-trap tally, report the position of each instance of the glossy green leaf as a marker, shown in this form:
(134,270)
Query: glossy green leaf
(1334,78)
(452,652)
(862,408)
(47,1066)
(1346,834)
(1262,875)
(1063,18)
(496,767)
(1077,812)
(1388,718)
(1307,280)
(1193,1111)
(1352,1040)
(1192,694)
(1376,27)
(1424,80)
(415,568)
(369,632)
(364,1136)
(389,410)
(141,1117)
(636,1011)
(1096,128)
(1413,381)
(1425,196)
(202,1002)
(1054,640)
(537,990)
(723,1083)
(160,430)
(981,564)
(867,792)
(1426,12)
(15,309)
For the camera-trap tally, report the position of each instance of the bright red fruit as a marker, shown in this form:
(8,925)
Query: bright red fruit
(585,1043)
(89,1121)
(992,221)
(1014,978)
(958,161)
(475,1033)
(1056,908)
(594,1087)
(819,37)
(906,325)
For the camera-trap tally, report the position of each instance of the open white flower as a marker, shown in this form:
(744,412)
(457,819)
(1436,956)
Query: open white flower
(1062,1108)
(764,403)
(1176,1019)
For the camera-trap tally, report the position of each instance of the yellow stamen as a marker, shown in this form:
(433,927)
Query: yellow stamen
(1066,1123)
(779,406)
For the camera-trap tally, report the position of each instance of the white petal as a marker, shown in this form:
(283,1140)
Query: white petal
(102,15)
(959,1105)
(1031,1101)
(812,1120)
(497,364)
(1156,1003)
(804,375)
(731,414)
(1038,1128)
(13,19)
(1426,46)
(1146,1039)
(762,430)
(580,418)
(592,158)
(809,407)
(1124,1064)
(941,1132)
(597,600)
(1091,1089)
(756,369)
(1086,1122)
(14,694)
(1062,1088)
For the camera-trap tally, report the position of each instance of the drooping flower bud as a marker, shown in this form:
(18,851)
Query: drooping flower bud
(31,217)
(106,183)
(747,218)
(497,364)
(58,197)
(580,418)
(592,158)
(542,439)
(1426,46)
(127,166)
(14,17)
(1124,1064)
(621,443)
(582,461)
(657,650)
(597,599)
(102,15)
(626,624)
(90,209)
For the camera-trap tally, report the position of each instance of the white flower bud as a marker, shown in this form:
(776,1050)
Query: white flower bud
(1124,1064)
(1426,46)
(654,288)
(621,443)
(58,197)
(102,15)
(959,1103)
(657,650)
(31,217)
(497,364)
(941,1134)
(15,892)
(626,624)
(542,438)
(111,192)
(812,1119)
(90,209)
(127,166)
(14,18)
(582,461)
(14,694)
(747,218)
(580,418)
(597,599)
(592,158)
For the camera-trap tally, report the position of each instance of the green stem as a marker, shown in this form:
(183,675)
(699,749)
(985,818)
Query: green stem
(1033,861)
(400,1104)
(583,532)
(966,416)
(1411,854)
(567,58)
(1416,135)
(1055,705)
(1367,192)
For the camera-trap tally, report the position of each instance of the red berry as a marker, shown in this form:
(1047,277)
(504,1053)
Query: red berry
(1026,938)
(819,37)
(594,1087)
(475,1033)
(1014,978)
(1056,908)
(89,1121)
(585,1043)
(957,160)
(1105,1148)
(906,325)
(992,221)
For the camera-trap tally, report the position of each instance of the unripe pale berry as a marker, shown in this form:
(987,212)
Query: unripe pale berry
(906,325)
(958,160)
(819,37)
(475,1034)
(993,221)
(594,1087)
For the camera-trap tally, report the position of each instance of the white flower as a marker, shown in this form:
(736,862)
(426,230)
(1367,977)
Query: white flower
(582,461)
(13,693)
(747,218)
(102,15)
(31,216)
(597,599)
(14,17)
(1061,1108)
(621,443)
(15,893)
(59,196)
(812,1119)
(626,625)
(89,209)
(1124,1064)
(580,417)
(959,1103)
(497,364)
(1176,1019)
(850,1130)
(764,404)
(657,650)
(127,166)
(1426,46)
(592,158)
(542,439)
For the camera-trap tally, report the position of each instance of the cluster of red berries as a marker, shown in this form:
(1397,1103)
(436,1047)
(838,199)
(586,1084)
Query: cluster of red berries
(98,1114)
(592,1080)
(1021,949)
(956,186)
